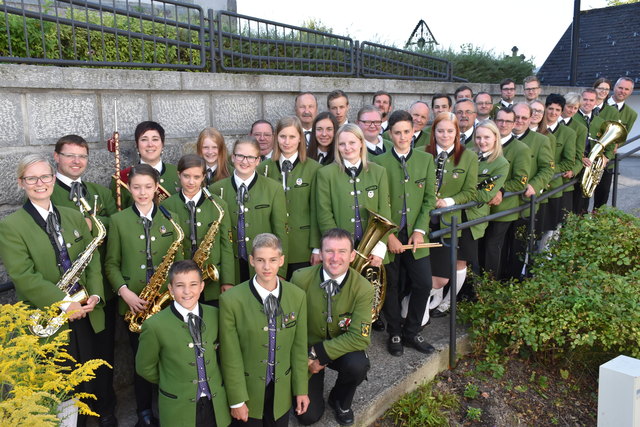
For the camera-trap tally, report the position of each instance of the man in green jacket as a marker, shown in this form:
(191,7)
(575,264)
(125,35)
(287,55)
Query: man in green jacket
(339,303)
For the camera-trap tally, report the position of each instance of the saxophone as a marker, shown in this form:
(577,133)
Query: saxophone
(201,256)
(69,282)
(156,301)
(377,228)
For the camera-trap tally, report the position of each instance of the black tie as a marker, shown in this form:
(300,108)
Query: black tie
(77,191)
(210,174)
(53,228)
(321,158)
(596,111)
(378,150)
(357,234)
(413,141)
(440,162)
(195,329)
(331,287)
(146,223)
(403,219)
(307,135)
(191,206)
(287,167)
(243,197)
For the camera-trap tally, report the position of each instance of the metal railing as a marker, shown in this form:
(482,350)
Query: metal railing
(175,35)
(141,34)
(616,169)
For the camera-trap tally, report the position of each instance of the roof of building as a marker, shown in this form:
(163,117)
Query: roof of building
(609,46)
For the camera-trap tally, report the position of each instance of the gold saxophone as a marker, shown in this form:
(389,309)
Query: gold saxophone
(377,228)
(156,301)
(69,282)
(209,271)
(611,133)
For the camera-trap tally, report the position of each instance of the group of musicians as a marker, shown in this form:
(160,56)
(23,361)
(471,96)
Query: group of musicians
(250,342)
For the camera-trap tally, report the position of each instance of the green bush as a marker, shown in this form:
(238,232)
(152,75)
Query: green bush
(582,303)
(423,407)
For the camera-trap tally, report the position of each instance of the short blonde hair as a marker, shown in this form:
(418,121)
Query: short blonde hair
(266,240)
(355,130)
(29,160)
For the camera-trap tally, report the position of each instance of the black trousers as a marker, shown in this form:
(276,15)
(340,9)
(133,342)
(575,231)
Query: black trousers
(244,270)
(516,242)
(580,203)
(268,419)
(143,389)
(205,416)
(352,370)
(601,194)
(419,274)
(491,247)
(81,347)
(102,385)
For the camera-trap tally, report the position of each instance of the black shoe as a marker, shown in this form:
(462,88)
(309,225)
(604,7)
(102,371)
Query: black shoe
(108,421)
(436,314)
(394,345)
(419,344)
(378,325)
(344,417)
(146,419)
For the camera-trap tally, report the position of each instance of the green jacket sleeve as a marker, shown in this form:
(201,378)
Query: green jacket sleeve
(324,204)
(148,355)
(231,360)
(428,199)
(299,371)
(519,172)
(545,166)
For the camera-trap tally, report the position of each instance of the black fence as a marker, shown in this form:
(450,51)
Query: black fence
(167,34)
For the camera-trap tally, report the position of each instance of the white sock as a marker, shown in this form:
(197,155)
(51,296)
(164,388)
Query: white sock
(461,275)
(435,298)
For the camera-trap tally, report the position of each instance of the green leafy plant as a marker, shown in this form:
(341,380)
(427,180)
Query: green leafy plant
(471,391)
(474,414)
(423,407)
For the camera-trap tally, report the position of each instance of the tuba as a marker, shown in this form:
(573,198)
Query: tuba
(377,228)
(201,256)
(69,282)
(611,133)
(156,301)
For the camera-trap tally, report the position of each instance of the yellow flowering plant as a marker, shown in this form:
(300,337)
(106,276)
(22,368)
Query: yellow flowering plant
(36,375)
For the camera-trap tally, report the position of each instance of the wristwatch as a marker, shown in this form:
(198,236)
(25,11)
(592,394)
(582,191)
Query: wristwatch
(312,354)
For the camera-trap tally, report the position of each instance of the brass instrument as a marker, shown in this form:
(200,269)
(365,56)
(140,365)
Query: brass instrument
(156,301)
(69,282)
(113,145)
(209,271)
(487,184)
(610,133)
(377,228)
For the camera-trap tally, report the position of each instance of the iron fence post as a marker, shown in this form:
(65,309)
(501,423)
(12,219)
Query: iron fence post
(452,291)
(212,32)
(614,196)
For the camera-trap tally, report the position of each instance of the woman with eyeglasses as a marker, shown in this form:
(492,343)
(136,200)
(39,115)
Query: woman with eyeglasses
(603,109)
(321,144)
(40,241)
(212,148)
(456,180)
(256,203)
(296,173)
(196,215)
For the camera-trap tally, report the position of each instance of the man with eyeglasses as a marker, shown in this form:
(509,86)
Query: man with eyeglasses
(519,157)
(531,88)
(370,120)
(262,131)
(507,93)
(465,111)
(382,101)
(484,105)
(71,155)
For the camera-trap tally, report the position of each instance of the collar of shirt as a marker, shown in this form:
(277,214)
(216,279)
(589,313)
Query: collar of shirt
(157,166)
(372,146)
(417,134)
(566,120)
(239,180)
(268,155)
(506,103)
(338,279)
(400,155)
(195,198)
(533,128)
(265,293)
(468,133)
(599,106)
(553,126)
(585,115)
(306,130)
(613,103)
(292,159)
(506,138)
(213,168)
(323,153)
(519,135)
(148,215)
(487,154)
(44,213)
(348,164)
(184,312)
(66,180)
(440,150)
(384,125)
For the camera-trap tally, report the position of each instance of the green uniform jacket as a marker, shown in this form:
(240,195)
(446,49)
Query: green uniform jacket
(519,157)
(497,107)
(565,154)
(265,212)
(166,357)
(301,215)
(105,206)
(350,328)
(335,205)
(421,141)
(126,261)
(30,259)
(419,191)
(168,180)
(581,139)
(221,255)
(459,183)
(594,132)
(387,144)
(486,169)
(244,344)
(609,112)
(627,115)
(542,164)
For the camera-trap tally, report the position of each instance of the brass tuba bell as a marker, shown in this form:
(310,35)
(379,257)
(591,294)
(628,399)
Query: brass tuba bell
(611,133)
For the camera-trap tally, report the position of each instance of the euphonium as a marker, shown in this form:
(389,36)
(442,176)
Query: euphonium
(209,271)
(377,228)
(69,282)
(611,133)
(156,301)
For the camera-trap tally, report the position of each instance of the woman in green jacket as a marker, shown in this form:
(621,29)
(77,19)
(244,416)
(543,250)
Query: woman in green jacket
(291,167)
(212,148)
(322,142)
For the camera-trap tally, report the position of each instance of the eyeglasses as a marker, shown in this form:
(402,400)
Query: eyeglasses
(528,89)
(33,180)
(371,122)
(533,111)
(523,118)
(509,89)
(74,156)
(241,158)
(504,122)
(466,113)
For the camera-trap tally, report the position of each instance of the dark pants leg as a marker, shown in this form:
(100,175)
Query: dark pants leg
(580,203)
(244,270)
(316,400)
(492,244)
(517,237)
(143,388)
(205,417)
(352,370)
(104,346)
(268,418)
(601,193)
(82,348)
